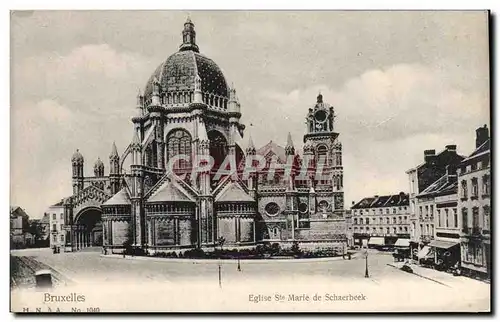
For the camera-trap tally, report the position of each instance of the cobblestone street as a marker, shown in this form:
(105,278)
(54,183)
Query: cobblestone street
(91,269)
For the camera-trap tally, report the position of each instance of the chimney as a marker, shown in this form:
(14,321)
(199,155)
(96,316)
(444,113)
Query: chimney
(429,155)
(451,148)
(353,203)
(482,135)
(376,196)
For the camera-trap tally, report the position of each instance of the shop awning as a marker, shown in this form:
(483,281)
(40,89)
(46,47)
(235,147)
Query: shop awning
(376,241)
(402,242)
(424,252)
(442,244)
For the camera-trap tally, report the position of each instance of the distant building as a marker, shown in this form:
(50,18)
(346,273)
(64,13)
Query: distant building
(381,220)
(474,182)
(55,215)
(421,177)
(45,225)
(19,225)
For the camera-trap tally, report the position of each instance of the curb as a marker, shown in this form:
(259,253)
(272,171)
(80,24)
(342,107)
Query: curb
(216,261)
(422,276)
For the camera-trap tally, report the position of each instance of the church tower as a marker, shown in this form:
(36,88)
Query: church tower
(321,142)
(77,167)
(114,170)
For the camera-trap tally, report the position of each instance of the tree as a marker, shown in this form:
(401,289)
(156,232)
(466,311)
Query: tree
(36,230)
(295,248)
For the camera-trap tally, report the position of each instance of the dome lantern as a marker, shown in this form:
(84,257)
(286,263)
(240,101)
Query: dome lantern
(189,37)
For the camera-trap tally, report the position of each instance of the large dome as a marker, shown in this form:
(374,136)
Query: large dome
(178,72)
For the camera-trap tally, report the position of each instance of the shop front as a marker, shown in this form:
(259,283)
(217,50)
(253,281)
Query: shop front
(426,256)
(446,254)
(376,242)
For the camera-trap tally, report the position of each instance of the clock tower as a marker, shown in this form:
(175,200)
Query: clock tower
(321,140)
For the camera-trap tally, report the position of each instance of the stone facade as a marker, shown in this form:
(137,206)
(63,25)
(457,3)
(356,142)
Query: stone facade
(57,225)
(189,110)
(422,208)
(385,217)
(474,206)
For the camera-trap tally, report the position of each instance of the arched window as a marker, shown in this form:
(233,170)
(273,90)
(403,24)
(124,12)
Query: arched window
(218,148)
(179,142)
(321,153)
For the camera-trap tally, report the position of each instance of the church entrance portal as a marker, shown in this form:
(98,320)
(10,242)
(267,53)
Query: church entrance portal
(88,231)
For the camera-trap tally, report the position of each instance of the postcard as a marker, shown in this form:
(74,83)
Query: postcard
(250,161)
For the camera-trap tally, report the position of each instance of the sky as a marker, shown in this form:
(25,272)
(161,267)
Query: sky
(400,82)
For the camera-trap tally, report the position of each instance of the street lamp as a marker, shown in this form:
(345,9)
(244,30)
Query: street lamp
(221,240)
(366,265)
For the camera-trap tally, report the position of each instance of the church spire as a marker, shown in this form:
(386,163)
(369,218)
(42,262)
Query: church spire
(289,148)
(189,37)
(114,151)
(319,98)
(251,147)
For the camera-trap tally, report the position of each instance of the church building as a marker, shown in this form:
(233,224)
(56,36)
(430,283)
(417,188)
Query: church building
(188,109)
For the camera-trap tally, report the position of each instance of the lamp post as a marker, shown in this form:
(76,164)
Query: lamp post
(220,277)
(366,265)
(221,240)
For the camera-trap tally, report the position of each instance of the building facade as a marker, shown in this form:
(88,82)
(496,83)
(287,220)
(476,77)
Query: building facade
(439,221)
(19,226)
(381,220)
(55,214)
(474,205)
(422,208)
(188,111)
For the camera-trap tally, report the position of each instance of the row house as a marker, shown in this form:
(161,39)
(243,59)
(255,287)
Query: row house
(435,167)
(474,180)
(381,220)
(439,223)
(55,214)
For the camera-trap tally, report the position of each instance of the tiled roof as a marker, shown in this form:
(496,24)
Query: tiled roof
(364,203)
(275,149)
(401,199)
(380,201)
(121,198)
(443,185)
(436,185)
(233,193)
(179,71)
(485,147)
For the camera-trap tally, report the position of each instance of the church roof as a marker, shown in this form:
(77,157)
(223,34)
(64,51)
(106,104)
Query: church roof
(121,198)
(178,72)
(233,193)
(273,148)
(168,191)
